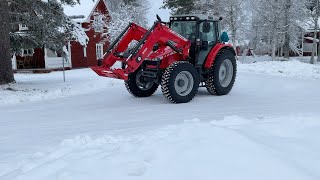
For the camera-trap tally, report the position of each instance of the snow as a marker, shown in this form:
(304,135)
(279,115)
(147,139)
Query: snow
(308,24)
(189,151)
(78,34)
(292,68)
(91,128)
(36,87)
(85,8)
(310,38)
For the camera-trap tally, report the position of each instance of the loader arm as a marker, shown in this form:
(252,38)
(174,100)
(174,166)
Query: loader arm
(132,59)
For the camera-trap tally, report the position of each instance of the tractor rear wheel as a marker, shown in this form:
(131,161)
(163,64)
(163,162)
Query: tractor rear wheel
(222,74)
(180,82)
(138,86)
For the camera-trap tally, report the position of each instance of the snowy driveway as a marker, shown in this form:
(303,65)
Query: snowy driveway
(28,128)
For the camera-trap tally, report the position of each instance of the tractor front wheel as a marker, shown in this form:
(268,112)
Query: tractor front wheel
(138,86)
(222,74)
(180,82)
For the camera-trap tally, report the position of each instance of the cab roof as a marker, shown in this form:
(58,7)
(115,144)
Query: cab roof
(194,17)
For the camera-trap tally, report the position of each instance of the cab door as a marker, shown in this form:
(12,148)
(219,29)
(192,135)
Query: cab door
(208,39)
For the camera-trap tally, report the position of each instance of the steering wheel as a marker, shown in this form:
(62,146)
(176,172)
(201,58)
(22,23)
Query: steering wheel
(190,36)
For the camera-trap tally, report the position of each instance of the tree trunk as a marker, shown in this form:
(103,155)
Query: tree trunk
(318,59)
(232,25)
(286,46)
(314,45)
(274,48)
(6,72)
(317,19)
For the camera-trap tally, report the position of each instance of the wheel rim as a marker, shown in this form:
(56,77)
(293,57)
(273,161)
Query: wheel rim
(184,83)
(141,83)
(226,73)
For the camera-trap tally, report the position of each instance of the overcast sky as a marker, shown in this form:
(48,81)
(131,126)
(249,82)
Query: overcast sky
(154,9)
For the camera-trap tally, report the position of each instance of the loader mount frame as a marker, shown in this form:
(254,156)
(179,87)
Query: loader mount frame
(155,49)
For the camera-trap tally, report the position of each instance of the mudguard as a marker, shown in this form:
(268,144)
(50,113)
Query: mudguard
(215,51)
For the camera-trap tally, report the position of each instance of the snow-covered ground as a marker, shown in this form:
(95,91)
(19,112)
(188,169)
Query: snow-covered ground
(292,68)
(91,128)
(232,148)
(38,87)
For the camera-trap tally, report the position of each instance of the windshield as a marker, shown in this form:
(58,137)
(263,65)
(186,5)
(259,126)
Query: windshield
(185,28)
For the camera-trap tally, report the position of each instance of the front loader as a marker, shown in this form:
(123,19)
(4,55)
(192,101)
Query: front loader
(180,56)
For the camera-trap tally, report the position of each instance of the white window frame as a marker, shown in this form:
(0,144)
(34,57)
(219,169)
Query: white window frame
(99,51)
(98,23)
(30,52)
(84,51)
(23,27)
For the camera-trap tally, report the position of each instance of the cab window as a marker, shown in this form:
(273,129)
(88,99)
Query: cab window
(210,36)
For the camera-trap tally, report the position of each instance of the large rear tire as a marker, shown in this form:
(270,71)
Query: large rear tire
(138,87)
(222,74)
(180,82)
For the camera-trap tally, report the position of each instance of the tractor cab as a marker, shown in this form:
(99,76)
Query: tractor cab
(203,32)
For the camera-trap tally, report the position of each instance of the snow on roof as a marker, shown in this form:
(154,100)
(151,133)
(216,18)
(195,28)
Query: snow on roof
(83,9)
(310,38)
(308,24)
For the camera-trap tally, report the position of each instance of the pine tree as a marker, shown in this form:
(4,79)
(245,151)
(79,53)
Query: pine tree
(48,25)
(180,6)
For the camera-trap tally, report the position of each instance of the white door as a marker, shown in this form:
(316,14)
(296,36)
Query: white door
(14,61)
(99,51)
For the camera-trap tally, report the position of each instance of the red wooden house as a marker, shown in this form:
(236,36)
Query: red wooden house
(92,16)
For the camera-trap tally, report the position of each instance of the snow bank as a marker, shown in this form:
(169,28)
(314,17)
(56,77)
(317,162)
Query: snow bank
(291,68)
(37,87)
(232,148)
(251,59)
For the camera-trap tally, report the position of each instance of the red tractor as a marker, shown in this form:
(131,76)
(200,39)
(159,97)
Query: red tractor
(180,56)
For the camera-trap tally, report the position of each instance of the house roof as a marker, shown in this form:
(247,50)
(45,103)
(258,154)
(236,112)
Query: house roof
(308,24)
(82,11)
(311,39)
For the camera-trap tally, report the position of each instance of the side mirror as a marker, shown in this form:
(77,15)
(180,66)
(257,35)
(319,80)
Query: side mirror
(224,37)
(205,45)
(206,27)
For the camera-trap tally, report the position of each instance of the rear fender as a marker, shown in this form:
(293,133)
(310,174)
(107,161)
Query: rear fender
(215,51)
